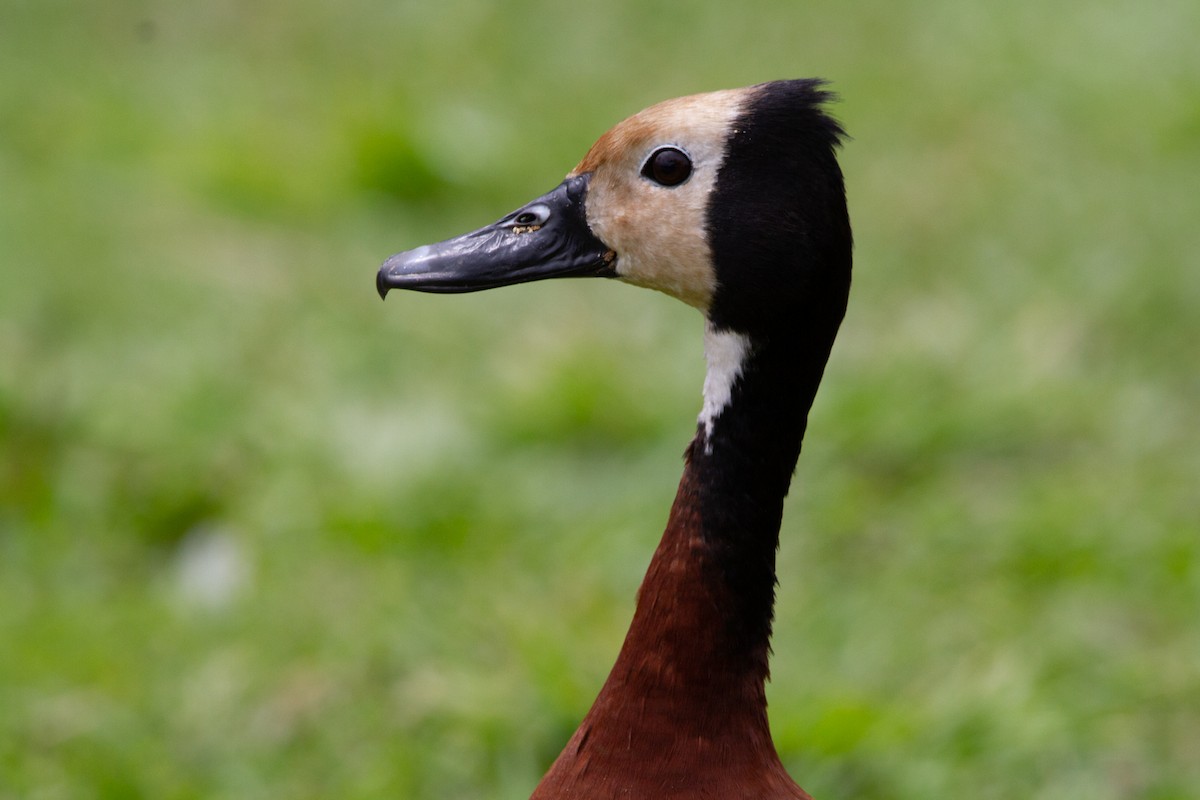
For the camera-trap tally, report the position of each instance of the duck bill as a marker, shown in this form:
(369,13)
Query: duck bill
(547,238)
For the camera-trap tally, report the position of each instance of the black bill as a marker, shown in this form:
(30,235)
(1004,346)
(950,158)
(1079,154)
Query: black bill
(547,238)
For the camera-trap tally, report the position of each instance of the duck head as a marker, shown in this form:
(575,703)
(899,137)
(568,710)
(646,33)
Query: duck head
(730,201)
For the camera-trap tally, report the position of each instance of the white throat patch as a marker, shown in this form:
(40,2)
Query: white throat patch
(725,352)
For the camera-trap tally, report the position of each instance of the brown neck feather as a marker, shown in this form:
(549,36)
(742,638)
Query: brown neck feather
(683,713)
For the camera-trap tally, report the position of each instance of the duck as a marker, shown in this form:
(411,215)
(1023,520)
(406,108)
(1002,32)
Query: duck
(733,202)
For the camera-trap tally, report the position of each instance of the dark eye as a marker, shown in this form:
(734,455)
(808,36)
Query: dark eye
(668,166)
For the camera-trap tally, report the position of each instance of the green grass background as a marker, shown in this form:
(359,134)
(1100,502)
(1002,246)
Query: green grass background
(262,536)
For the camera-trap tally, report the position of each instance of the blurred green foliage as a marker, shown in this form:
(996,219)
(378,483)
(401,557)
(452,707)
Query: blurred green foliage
(262,536)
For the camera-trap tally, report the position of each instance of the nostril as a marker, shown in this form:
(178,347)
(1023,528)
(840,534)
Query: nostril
(530,218)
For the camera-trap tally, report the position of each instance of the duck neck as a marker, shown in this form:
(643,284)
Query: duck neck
(692,669)
(724,525)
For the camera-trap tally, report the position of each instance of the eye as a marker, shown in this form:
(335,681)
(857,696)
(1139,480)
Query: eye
(668,166)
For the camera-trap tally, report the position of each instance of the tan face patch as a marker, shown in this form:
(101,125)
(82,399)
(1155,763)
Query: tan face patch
(659,233)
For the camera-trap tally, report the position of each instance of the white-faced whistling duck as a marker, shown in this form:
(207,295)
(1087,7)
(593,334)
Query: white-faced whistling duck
(732,202)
